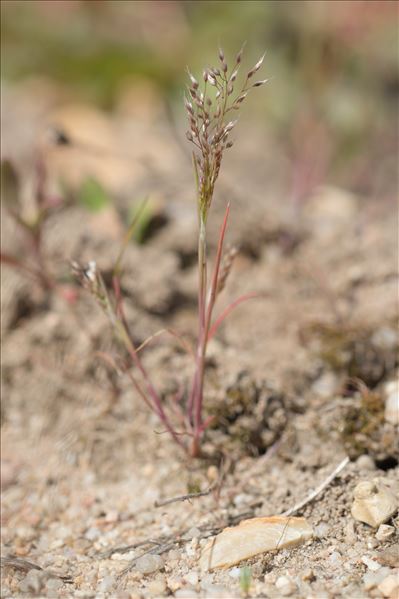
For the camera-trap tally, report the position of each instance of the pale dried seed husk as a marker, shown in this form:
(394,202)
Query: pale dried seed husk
(252,537)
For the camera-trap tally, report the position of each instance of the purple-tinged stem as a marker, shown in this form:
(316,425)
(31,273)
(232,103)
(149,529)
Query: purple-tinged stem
(155,403)
(228,310)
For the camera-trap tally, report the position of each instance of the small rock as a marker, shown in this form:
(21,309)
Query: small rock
(389,557)
(285,586)
(32,582)
(212,473)
(242,499)
(372,579)
(350,534)
(157,587)
(235,572)
(54,584)
(92,534)
(192,533)
(389,587)
(335,558)
(365,462)
(385,338)
(373,503)
(322,530)
(64,532)
(174,583)
(147,564)
(370,563)
(112,516)
(385,532)
(325,385)
(191,578)
(107,584)
(392,403)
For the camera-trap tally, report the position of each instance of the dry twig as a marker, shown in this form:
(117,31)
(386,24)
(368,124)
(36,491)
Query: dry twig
(318,490)
(186,497)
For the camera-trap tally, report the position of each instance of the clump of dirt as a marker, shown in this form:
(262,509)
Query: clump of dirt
(364,430)
(352,350)
(250,419)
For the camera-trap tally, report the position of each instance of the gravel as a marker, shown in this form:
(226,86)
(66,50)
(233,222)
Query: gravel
(147,564)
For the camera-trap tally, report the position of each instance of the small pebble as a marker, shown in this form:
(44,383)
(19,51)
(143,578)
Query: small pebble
(325,385)
(389,556)
(212,473)
(235,572)
(157,587)
(335,558)
(350,534)
(174,554)
(53,592)
(64,532)
(242,499)
(370,563)
(193,533)
(147,564)
(285,586)
(112,516)
(92,534)
(389,587)
(392,403)
(191,578)
(372,579)
(107,584)
(385,532)
(174,583)
(365,462)
(322,530)
(373,503)
(31,582)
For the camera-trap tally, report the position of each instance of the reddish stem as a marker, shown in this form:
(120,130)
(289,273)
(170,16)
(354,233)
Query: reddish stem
(228,310)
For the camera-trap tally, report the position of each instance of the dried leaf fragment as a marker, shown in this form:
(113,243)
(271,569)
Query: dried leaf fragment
(252,537)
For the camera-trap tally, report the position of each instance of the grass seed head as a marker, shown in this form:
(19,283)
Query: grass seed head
(209,123)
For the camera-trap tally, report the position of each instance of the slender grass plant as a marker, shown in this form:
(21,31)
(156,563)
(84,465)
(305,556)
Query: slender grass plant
(210,109)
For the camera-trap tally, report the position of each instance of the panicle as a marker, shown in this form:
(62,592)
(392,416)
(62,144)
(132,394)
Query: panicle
(209,125)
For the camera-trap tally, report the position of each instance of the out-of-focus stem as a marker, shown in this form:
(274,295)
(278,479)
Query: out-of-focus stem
(156,403)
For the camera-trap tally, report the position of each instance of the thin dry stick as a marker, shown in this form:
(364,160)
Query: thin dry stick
(186,497)
(216,485)
(318,490)
(24,565)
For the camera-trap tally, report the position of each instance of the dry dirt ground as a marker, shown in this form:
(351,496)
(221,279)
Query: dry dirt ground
(83,461)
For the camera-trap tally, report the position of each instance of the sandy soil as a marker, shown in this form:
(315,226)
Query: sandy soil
(83,461)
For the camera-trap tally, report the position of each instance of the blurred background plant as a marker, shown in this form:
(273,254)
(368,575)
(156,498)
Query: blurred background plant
(334,70)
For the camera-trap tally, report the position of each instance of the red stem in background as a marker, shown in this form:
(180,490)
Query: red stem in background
(155,403)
